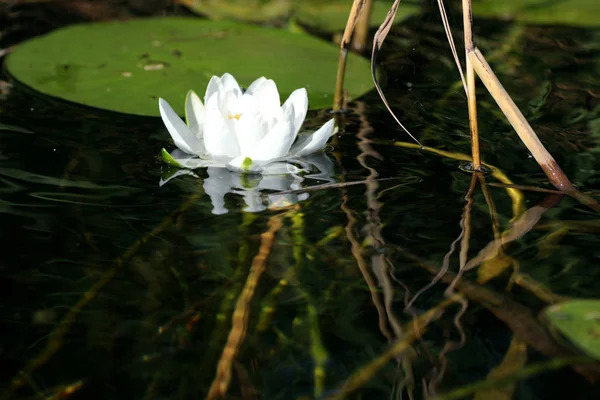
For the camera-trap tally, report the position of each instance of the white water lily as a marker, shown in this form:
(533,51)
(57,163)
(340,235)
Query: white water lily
(244,131)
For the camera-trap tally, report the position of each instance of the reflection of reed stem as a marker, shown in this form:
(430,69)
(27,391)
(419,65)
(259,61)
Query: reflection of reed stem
(241,313)
(222,316)
(318,351)
(414,330)
(466,224)
(491,206)
(516,316)
(470,73)
(514,193)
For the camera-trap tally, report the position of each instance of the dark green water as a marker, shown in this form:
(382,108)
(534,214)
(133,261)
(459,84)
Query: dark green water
(151,276)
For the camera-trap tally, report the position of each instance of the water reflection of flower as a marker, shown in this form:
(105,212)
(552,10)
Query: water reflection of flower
(262,191)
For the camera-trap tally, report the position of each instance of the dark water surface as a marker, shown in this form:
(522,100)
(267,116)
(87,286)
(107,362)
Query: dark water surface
(116,288)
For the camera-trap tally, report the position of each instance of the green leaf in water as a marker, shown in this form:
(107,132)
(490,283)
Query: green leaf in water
(328,15)
(127,66)
(240,10)
(332,15)
(578,321)
(567,12)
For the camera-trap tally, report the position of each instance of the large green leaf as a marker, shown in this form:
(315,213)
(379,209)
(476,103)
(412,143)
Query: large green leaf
(127,66)
(567,12)
(328,15)
(578,321)
(241,10)
(332,15)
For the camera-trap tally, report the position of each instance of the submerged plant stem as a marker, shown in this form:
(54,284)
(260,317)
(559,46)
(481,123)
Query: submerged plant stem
(521,374)
(64,326)
(413,330)
(239,320)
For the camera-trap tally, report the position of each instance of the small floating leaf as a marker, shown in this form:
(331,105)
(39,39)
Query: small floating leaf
(578,321)
(127,66)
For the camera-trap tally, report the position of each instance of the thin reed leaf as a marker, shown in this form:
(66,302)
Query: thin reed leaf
(378,40)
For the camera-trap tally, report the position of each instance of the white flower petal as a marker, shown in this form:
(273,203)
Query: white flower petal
(193,162)
(180,132)
(249,129)
(299,99)
(314,142)
(243,164)
(269,104)
(231,109)
(319,161)
(194,114)
(276,144)
(230,84)
(219,140)
(254,85)
(175,175)
(278,168)
(214,86)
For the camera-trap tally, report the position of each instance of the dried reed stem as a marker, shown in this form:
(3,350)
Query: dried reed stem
(378,40)
(471,98)
(355,11)
(361,31)
(519,123)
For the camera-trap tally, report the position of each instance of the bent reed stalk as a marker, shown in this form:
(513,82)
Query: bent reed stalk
(355,11)
(508,107)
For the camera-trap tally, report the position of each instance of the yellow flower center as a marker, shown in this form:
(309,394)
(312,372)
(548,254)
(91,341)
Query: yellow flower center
(235,116)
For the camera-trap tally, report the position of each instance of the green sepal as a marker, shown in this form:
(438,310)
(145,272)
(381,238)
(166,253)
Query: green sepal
(169,160)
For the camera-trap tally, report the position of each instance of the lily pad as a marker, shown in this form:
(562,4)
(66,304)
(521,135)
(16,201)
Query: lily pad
(332,15)
(325,15)
(565,12)
(578,321)
(127,66)
(241,10)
